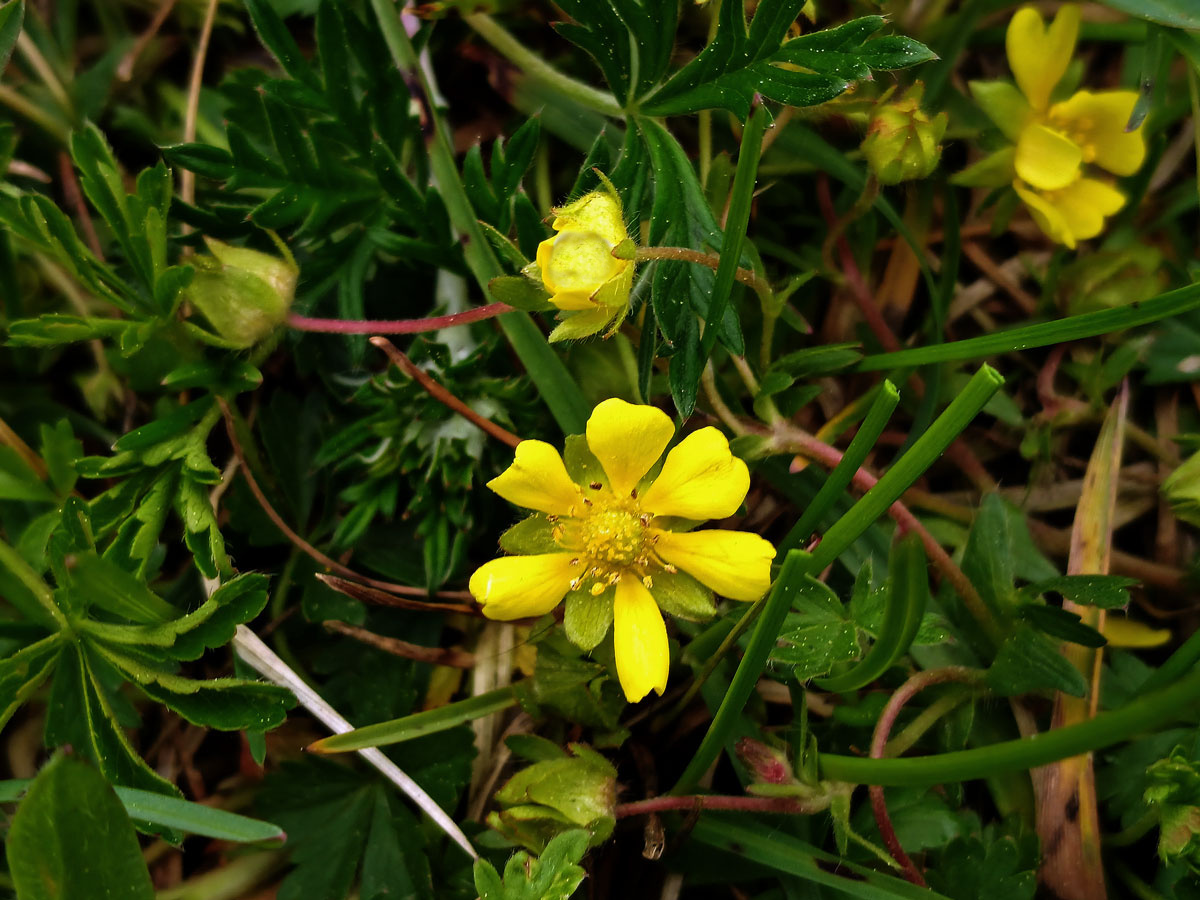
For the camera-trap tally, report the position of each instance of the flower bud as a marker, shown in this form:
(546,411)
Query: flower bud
(578,267)
(1182,490)
(1174,793)
(903,141)
(556,795)
(244,294)
(767,764)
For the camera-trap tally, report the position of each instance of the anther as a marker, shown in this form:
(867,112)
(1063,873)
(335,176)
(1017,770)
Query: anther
(598,589)
(669,569)
(595,485)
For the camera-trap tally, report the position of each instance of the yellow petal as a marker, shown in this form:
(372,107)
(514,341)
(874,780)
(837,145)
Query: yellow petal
(573,301)
(599,212)
(1037,55)
(628,440)
(735,564)
(700,479)
(1097,123)
(1122,632)
(537,479)
(1049,219)
(544,251)
(517,587)
(579,261)
(1047,159)
(639,641)
(1084,205)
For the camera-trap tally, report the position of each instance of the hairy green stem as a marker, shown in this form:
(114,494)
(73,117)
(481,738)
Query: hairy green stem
(537,68)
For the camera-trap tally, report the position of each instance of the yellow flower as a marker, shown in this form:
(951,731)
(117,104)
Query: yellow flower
(612,536)
(577,266)
(1056,141)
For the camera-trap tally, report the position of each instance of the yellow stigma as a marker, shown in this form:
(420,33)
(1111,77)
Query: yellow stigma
(611,536)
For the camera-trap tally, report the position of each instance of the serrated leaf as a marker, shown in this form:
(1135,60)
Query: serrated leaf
(1061,624)
(1101,591)
(1029,661)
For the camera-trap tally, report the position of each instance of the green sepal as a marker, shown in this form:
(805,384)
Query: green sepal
(682,596)
(994,170)
(581,463)
(520,292)
(583,324)
(1004,104)
(586,618)
(529,536)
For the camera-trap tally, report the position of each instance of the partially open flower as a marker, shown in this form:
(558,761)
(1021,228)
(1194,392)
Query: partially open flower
(243,293)
(614,537)
(577,266)
(1056,142)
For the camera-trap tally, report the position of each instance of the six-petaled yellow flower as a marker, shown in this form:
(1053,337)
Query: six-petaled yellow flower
(577,266)
(1056,143)
(614,534)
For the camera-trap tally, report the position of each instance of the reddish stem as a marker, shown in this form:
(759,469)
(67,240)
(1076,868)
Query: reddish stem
(442,395)
(396,326)
(883,729)
(703,801)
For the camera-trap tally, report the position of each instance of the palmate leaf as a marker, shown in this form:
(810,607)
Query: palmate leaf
(630,40)
(804,71)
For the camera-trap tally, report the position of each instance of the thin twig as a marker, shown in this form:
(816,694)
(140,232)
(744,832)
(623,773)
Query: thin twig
(999,277)
(396,326)
(439,656)
(287,530)
(689,803)
(74,198)
(439,393)
(125,69)
(187,178)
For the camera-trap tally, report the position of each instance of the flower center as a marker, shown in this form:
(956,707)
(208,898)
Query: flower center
(612,538)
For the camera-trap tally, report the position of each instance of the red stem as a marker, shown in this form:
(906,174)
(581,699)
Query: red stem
(883,729)
(396,326)
(703,801)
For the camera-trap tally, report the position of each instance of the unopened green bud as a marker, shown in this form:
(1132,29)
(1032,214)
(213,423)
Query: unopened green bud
(1182,490)
(244,294)
(556,795)
(903,141)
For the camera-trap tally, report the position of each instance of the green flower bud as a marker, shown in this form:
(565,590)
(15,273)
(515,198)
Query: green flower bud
(1107,279)
(556,795)
(244,294)
(903,141)
(1182,490)
(1174,793)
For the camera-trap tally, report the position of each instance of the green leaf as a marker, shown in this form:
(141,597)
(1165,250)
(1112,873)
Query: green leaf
(24,672)
(554,875)
(1029,661)
(12,15)
(1176,13)
(1061,624)
(279,41)
(55,853)
(97,581)
(630,40)
(803,71)
(1101,591)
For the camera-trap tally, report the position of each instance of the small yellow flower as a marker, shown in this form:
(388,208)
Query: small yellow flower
(613,537)
(1056,141)
(579,270)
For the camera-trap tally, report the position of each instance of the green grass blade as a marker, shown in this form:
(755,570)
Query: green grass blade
(837,481)
(419,724)
(1043,334)
(741,198)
